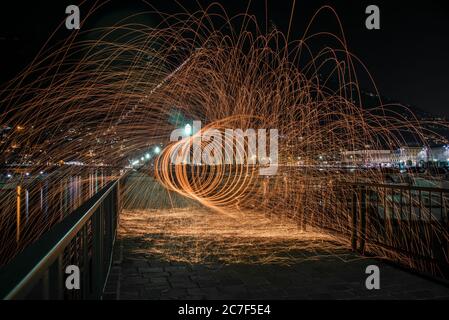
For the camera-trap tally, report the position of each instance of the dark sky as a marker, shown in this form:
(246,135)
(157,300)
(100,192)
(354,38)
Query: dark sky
(408,57)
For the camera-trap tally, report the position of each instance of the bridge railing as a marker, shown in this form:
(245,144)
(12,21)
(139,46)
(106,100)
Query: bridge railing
(84,239)
(402,223)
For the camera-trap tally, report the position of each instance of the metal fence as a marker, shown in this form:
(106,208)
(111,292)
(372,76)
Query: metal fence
(401,223)
(85,238)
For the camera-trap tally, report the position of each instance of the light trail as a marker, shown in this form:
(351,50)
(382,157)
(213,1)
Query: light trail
(69,106)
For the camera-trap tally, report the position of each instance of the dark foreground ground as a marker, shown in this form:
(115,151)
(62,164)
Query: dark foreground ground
(178,250)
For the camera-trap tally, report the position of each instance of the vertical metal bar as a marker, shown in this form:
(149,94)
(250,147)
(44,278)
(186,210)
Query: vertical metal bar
(431,230)
(322,200)
(86,268)
(377,213)
(18,214)
(430,207)
(107,244)
(303,211)
(354,220)
(393,203)
(385,213)
(56,281)
(97,256)
(116,208)
(420,205)
(363,213)
(45,286)
(446,272)
(410,210)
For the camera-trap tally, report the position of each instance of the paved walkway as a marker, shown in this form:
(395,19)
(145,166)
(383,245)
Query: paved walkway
(183,251)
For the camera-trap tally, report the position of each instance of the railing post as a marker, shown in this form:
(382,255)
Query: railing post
(45,286)
(56,281)
(119,203)
(86,290)
(363,213)
(97,252)
(354,219)
(303,219)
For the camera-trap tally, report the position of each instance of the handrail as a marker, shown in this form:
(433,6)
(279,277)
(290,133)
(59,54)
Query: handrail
(19,276)
(385,215)
(396,186)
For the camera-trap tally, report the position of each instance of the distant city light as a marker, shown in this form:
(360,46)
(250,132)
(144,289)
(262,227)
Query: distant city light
(157,150)
(142,158)
(73,163)
(27,174)
(147,156)
(42,172)
(135,162)
(9,175)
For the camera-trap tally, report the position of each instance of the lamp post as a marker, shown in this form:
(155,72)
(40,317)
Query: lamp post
(188,129)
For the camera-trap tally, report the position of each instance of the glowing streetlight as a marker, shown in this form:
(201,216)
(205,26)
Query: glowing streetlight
(147,156)
(188,129)
(157,150)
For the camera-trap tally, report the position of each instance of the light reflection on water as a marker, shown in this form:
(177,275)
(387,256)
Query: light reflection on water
(31,206)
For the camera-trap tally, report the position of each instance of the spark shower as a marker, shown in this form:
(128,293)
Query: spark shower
(117,92)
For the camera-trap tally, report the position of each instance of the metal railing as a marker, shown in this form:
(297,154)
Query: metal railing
(85,238)
(402,223)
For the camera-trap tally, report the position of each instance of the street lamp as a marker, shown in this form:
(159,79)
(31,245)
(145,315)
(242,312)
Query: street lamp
(188,129)
(157,150)
(147,156)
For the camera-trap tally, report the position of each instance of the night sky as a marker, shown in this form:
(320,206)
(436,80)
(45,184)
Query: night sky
(408,57)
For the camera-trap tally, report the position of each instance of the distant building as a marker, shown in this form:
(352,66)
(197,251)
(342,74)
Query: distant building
(367,157)
(402,157)
(407,156)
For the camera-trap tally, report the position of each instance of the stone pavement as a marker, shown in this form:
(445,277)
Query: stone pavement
(169,247)
(145,268)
